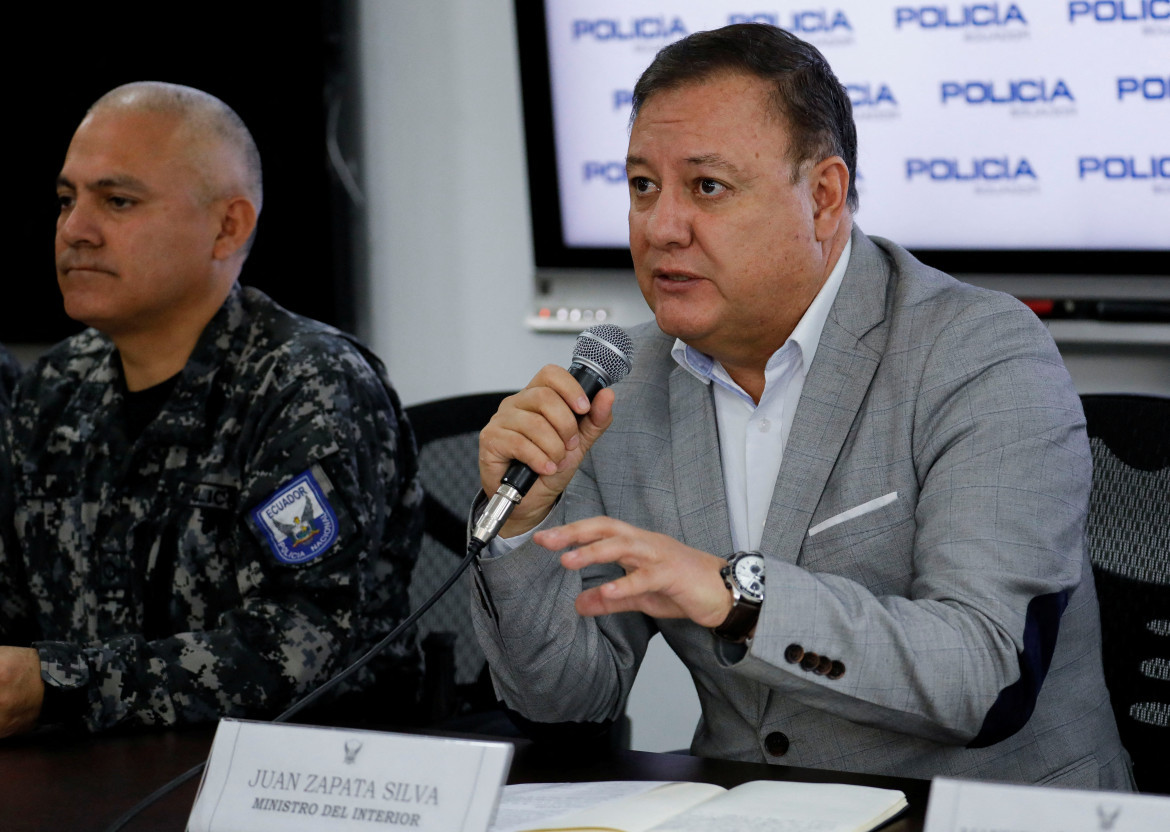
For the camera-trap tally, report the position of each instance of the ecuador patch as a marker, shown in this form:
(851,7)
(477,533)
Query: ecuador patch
(297,520)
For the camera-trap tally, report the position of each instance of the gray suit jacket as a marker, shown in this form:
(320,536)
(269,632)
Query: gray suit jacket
(926,533)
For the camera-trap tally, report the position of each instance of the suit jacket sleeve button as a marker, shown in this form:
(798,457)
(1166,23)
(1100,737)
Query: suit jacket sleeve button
(837,670)
(793,653)
(809,662)
(776,743)
(824,665)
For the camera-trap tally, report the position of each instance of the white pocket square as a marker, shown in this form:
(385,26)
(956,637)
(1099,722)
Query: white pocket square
(856,511)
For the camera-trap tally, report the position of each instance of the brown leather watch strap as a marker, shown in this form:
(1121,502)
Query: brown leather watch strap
(739,622)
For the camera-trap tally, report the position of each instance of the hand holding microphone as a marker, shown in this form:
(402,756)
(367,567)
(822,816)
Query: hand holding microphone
(539,427)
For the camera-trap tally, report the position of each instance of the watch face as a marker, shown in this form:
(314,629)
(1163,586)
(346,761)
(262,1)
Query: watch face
(749,576)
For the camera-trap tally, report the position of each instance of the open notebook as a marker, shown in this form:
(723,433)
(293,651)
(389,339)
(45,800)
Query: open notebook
(635,806)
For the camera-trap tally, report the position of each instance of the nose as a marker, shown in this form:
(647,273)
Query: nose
(77,225)
(668,223)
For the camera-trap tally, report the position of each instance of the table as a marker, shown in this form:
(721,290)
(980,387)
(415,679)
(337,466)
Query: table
(58,781)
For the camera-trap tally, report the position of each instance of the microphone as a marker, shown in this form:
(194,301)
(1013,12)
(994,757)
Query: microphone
(601,357)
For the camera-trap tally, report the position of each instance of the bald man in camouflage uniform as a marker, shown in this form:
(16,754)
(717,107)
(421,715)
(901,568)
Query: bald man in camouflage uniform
(216,501)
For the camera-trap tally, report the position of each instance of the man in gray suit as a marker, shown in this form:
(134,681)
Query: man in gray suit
(849,491)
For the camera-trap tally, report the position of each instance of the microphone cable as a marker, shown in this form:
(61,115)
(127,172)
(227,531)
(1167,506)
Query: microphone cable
(474,547)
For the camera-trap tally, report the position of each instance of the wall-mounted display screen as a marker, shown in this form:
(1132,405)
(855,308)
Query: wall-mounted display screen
(1021,137)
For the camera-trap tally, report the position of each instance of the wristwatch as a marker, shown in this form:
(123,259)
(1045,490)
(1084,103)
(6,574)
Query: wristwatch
(744,576)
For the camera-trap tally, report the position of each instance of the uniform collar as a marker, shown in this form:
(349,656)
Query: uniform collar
(216,344)
(182,413)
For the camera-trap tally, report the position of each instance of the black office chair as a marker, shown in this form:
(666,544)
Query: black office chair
(1129,544)
(457,692)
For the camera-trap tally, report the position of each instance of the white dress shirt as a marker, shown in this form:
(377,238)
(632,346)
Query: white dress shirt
(752,436)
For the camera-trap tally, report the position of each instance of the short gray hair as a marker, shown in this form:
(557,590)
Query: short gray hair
(205,115)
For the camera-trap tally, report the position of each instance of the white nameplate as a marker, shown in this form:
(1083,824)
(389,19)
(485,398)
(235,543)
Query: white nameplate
(262,777)
(967,806)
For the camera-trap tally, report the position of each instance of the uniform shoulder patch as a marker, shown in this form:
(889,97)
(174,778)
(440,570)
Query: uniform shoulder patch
(297,520)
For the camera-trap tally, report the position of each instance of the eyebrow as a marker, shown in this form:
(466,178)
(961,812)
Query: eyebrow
(707,160)
(714,160)
(124,182)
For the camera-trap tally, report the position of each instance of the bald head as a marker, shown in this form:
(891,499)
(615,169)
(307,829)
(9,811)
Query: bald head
(159,194)
(219,145)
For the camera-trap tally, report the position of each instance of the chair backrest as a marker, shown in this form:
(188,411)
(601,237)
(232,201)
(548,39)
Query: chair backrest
(457,691)
(1129,544)
(447,432)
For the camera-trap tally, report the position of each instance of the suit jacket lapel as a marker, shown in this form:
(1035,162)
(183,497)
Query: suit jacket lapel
(698,471)
(846,359)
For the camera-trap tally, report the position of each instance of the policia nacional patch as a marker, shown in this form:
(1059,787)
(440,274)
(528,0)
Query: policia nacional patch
(297,521)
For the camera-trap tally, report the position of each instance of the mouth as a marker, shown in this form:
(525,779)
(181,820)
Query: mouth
(675,276)
(82,269)
(671,281)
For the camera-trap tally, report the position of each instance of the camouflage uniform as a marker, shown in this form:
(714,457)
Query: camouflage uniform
(9,373)
(149,580)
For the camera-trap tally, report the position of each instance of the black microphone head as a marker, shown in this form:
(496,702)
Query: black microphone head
(606,349)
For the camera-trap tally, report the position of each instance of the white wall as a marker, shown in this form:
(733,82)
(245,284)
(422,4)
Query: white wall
(450,249)
(451,269)
(446,185)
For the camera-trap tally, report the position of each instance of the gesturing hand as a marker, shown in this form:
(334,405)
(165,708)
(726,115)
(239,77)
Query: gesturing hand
(664,578)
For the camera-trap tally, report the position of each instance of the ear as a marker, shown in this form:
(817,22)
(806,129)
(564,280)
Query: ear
(237,221)
(829,181)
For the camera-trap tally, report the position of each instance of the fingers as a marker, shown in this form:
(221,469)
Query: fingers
(599,418)
(537,426)
(581,534)
(664,578)
(607,600)
(648,590)
(526,428)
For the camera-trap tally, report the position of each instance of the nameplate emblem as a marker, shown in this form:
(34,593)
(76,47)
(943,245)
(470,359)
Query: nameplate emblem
(262,777)
(213,495)
(967,806)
